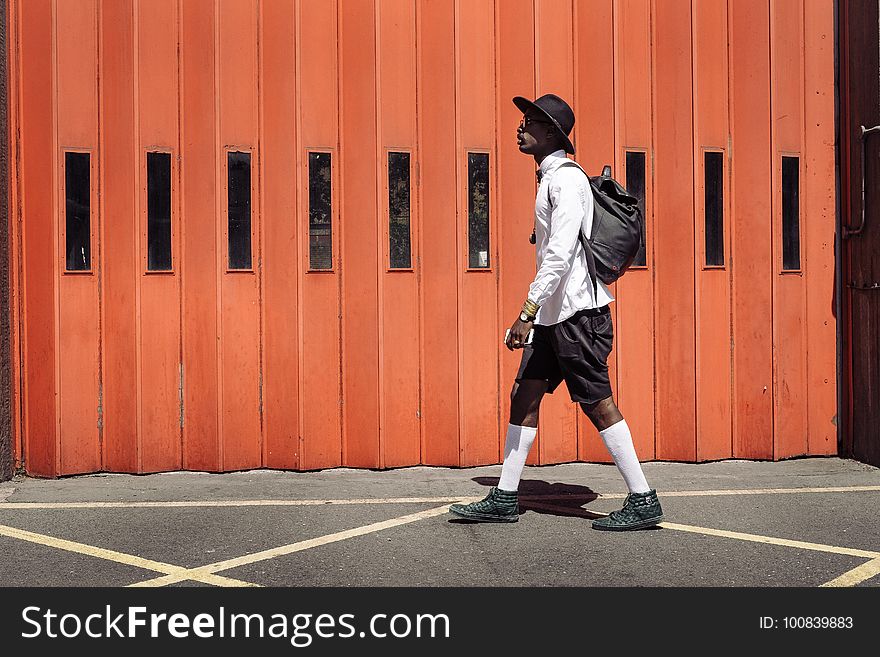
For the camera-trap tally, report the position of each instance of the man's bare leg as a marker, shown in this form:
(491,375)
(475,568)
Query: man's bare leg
(501,504)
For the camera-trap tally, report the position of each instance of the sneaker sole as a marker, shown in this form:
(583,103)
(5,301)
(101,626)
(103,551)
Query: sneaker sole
(622,528)
(482,518)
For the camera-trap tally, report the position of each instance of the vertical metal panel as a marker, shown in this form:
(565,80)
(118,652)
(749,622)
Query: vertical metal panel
(239,290)
(634,294)
(76,88)
(818,242)
(441,395)
(516,185)
(751,236)
(595,106)
(320,307)
(200,160)
(557,434)
(361,250)
(479,333)
(157,100)
(7,433)
(712,298)
(424,375)
(845,196)
(673,234)
(121,270)
(399,344)
(280,271)
(39,237)
(786,73)
(13,95)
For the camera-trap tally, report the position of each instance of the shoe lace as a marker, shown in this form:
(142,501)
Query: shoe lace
(624,513)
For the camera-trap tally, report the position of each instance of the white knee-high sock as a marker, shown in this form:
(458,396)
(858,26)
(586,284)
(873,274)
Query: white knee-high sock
(516,450)
(618,440)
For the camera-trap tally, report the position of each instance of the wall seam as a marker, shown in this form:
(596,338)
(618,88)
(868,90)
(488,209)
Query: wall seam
(7,395)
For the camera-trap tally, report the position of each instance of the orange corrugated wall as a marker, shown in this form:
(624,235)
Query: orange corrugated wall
(207,368)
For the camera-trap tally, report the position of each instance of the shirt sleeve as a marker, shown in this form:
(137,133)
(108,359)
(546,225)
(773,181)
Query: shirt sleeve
(570,197)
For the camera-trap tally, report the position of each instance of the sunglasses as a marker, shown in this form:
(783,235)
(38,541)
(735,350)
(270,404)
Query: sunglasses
(529,120)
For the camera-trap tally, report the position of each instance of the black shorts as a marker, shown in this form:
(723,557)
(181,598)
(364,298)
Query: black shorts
(575,350)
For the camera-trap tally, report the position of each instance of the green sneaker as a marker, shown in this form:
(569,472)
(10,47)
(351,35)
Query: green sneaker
(640,510)
(497,506)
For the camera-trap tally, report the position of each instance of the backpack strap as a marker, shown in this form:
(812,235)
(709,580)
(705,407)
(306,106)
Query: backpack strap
(588,252)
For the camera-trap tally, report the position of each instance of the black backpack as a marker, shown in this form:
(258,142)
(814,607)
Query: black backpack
(617,228)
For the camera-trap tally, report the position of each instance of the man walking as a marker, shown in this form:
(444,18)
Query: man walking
(572,328)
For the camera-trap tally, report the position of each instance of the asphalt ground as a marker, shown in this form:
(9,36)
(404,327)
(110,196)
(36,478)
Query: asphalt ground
(805,523)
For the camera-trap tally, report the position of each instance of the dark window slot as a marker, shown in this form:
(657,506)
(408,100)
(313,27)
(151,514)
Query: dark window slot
(791,239)
(238,166)
(713,208)
(320,212)
(635,185)
(78,200)
(478,210)
(399,239)
(158,211)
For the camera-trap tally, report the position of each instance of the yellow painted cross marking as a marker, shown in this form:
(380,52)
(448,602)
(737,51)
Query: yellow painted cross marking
(118,557)
(291,548)
(850,578)
(772,541)
(857,575)
(206,574)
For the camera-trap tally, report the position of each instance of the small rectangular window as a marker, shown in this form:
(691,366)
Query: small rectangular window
(791,238)
(713,207)
(78,201)
(320,212)
(478,210)
(635,185)
(399,241)
(239,209)
(158,211)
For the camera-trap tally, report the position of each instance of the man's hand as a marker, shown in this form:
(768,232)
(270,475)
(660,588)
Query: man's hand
(518,334)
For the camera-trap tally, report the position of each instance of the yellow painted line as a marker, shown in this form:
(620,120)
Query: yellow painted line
(741,536)
(113,555)
(849,578)
(766,491)
(416,500)
(755,538)
(710,493)
(570,510)
(196,573)
(224,503)
(856,575)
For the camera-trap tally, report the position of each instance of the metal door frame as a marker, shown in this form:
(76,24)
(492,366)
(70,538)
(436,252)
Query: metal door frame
(843,230)
(6,378)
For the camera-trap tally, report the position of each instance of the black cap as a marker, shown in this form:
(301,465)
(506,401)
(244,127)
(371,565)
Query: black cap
(555,109)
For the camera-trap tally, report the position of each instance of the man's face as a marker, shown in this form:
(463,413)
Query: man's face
(534,133)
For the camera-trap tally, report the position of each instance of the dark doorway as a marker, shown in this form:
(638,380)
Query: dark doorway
(859,233)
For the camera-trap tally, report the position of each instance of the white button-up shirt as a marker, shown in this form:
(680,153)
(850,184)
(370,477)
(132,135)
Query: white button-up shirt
(562,285)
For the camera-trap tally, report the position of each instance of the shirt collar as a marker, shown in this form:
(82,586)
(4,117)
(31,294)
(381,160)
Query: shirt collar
(551,160)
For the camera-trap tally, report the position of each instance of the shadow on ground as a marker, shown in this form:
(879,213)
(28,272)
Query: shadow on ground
(565,500)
